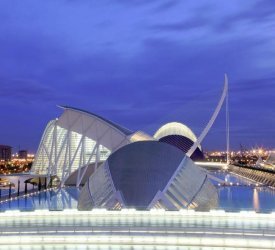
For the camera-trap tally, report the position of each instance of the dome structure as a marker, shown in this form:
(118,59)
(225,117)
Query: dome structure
(180,136)
(175,128)
(145,175)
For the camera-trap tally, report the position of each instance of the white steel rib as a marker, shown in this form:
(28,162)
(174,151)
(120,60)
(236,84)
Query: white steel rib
(212,120)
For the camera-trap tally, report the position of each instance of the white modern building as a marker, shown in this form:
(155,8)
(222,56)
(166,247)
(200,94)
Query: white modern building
(77,142)
(145,175)
(120,168)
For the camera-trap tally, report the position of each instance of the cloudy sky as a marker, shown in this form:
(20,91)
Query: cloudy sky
(140,63)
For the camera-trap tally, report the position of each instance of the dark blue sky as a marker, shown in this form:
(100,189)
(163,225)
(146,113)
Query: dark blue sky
(140,63)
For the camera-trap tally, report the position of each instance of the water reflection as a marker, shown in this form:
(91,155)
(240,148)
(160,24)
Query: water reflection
(231,198)
(245,196)
(256,201)
(53,200)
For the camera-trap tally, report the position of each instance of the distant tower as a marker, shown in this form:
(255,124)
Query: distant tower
(227,128)
(22,154)
(5,152)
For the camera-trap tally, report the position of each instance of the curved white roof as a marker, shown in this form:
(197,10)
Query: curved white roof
(76,139)
(175,128)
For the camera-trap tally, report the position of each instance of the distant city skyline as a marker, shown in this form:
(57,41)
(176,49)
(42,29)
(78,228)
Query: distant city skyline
(140,64)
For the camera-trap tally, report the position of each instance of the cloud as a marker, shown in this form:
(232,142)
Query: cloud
(261,12)
(135,2)
(170,4)
(26,91)
(179,26)
(259,85)
(138,66)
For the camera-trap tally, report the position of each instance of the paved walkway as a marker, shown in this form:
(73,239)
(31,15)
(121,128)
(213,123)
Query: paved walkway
(130,229)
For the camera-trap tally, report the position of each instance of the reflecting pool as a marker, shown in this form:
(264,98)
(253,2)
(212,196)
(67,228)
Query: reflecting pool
(245,196)
(231,198)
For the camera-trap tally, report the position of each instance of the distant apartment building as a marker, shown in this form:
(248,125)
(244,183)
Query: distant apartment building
(22,154)
(5,152)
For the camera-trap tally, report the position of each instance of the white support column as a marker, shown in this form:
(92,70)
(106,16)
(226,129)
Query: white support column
(81,162)
(84,151)
(83,154)
(70,151)
(55,145)
(85,167)
(75,153)
(46,151)
(51,164)
(97,157)
(63,145)
(53,153)
(67,156)
(227,131)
